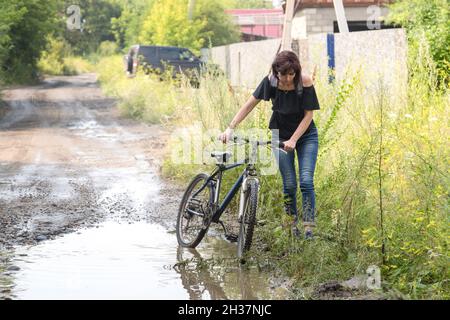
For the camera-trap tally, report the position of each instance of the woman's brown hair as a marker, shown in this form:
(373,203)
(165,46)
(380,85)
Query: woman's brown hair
(286,61)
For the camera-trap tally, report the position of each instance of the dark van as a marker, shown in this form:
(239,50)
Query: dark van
(158,58)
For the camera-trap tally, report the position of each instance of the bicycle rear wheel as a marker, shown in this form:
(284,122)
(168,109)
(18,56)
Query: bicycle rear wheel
(248,221)
(194,213)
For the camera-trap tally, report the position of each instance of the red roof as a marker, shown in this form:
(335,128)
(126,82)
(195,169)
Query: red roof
(269,22)
(259,22)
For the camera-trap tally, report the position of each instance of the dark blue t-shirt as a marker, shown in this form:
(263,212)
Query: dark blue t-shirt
(288,106)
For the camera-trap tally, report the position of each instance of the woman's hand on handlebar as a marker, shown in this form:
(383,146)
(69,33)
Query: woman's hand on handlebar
(226,135)
(289,145)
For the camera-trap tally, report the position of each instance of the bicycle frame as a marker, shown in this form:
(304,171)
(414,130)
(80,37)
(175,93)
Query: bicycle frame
(209,208)
(216,183)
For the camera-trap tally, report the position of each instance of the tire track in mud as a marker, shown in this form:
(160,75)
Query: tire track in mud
(67,159)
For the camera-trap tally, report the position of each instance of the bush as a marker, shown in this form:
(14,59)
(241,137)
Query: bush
(431,19)
(52,59)
(107,48)
(57,60)
(143,97)
(381,181)
(24,26)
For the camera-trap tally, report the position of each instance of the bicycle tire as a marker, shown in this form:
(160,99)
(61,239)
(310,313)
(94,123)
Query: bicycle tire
(198,180)
(248,221)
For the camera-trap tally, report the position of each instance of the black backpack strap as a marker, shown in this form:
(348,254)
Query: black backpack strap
(300,87)
(273,80)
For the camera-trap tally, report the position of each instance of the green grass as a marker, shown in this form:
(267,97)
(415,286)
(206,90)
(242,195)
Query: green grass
(381,180)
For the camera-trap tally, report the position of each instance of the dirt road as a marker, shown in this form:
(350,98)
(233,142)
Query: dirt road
(68,159)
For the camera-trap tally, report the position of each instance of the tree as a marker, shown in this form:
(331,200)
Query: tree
(24,25)
(8,18)
(219,28)
(127,27)
(430,17)
(97,27)
(167,24)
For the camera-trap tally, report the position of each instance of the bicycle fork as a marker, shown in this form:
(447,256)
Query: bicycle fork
(244,189)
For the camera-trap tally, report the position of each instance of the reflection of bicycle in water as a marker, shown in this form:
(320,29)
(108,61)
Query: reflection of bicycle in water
(200,204)
(201,281)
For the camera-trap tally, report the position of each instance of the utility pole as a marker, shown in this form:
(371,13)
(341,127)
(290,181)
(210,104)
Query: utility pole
(286,38)
(191,6)
(340,15)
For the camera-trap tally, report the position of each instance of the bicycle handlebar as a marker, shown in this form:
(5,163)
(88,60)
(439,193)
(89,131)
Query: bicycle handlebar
(279,144)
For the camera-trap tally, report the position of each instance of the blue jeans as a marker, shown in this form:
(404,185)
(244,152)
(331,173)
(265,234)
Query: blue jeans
(306,148)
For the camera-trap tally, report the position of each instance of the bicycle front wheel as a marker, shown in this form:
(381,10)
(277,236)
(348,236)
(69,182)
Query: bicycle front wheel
(248,221)
(194,213)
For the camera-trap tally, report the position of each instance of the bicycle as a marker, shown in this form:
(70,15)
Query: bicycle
(203,282)
(200,207)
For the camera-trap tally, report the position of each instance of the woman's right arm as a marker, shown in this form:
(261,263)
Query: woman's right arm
(240,115)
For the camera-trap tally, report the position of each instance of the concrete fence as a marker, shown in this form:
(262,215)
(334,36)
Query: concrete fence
(376,55)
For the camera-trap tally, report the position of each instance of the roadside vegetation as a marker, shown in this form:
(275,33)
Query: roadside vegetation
(382,174)
(23,27)
(382,178)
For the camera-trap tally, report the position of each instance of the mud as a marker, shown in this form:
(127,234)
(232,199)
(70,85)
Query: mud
(70,162)
(68,159)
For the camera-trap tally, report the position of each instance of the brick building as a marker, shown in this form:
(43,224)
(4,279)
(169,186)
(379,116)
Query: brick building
(311,17)
(318,16)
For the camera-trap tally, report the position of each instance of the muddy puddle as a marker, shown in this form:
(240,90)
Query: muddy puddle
(84,213)
(122,260)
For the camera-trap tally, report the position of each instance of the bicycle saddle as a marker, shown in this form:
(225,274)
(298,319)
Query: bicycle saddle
(221,156)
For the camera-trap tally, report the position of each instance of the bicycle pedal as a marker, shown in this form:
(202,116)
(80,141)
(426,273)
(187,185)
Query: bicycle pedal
(231,237)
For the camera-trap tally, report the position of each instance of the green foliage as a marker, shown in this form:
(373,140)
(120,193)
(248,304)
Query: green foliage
(8,17)
(52,59)
(24,25)
(57,59)
(344,91)
(97,27)
(219,29)
(428,17)
(107,48)
(381,154)
(135,98)
(167,24)
(128,26)
(34,32)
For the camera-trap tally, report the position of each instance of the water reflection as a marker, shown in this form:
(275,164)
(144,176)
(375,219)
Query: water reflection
(213,272)
(129,261)
(196,279)
(113,261)
(6,282)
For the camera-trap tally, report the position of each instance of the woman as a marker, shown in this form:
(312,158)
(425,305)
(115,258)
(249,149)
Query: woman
(293,101)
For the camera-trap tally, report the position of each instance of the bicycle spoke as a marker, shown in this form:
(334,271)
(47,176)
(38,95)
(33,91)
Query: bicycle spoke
(195,206)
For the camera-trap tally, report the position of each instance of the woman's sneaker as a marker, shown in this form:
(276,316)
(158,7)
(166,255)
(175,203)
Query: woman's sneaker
(308,234)
(295,231)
